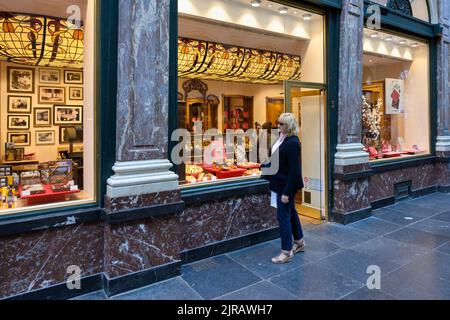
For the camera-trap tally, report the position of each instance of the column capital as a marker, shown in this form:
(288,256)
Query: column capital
(443,144)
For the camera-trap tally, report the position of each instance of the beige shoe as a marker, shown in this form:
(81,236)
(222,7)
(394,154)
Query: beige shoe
(299,246)
(283,257)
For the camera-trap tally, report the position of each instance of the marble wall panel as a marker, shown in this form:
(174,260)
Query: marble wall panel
(351,196)
(142,201)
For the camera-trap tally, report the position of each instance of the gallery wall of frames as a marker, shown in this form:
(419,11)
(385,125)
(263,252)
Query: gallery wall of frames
(37,104)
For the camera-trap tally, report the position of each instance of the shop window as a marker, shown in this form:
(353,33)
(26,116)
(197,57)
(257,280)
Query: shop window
(234,57)
(47,131)
(395,100)
(414,8)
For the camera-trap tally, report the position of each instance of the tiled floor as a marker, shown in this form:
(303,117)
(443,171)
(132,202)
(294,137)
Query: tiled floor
(409,243)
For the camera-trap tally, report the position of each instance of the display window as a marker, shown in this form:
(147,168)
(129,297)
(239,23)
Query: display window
(234,57)
(396,96)
(47,132)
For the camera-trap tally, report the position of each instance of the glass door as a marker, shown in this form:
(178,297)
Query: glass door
(307,102)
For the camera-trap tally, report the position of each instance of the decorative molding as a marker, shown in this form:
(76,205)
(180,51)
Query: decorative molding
(403,6)
(443,143)
(350,154)
(141,177)
(195,84)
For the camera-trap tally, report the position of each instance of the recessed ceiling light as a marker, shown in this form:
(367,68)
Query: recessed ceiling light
(255,3)
(389,38)
(374,35)
(283,10)
(269,5)
(307,16)
(403,42)
(415,45)
(295,12)
(370,60)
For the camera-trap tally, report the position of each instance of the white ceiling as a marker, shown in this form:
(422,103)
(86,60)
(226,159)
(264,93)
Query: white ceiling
(54,8)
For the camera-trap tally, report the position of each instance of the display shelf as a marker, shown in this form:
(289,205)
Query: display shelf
(48,193)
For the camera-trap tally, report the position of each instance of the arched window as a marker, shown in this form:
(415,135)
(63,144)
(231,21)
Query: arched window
(419,9)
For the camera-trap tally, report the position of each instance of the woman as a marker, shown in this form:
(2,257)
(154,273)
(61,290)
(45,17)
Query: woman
(285,184)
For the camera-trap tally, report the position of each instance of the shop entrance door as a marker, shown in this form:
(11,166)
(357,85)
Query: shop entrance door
(307,102)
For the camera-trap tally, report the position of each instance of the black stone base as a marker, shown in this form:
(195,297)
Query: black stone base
(444,189)
(225,246)
(353,216)
(61,292)
(140,279)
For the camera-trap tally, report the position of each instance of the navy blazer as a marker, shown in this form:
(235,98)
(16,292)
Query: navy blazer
(288,180)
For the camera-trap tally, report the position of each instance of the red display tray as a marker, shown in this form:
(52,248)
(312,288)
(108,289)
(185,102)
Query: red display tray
(48,192)
(391,154)
(255,166)
(224,174)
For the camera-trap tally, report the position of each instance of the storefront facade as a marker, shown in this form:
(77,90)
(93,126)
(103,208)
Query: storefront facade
(373,103)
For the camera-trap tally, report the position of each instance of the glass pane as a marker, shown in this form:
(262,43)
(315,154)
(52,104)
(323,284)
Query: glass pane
(395,100)
(419,8)
(47,132)
(308,106)
(233,59)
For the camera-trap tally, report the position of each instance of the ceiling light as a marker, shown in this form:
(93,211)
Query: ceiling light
(403,42)
(389,38)
(283,10)
(255,3)
(269,5)
(370,60)
(374,35)
(295,12)
(307,16)
(415,45)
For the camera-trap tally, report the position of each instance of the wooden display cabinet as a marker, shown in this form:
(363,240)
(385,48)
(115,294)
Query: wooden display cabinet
(237,112)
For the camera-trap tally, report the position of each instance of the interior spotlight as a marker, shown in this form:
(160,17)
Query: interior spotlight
(389,38)
(374,35)
(283,10)
(415,45)
(255,3)
(307,16)
(403,42)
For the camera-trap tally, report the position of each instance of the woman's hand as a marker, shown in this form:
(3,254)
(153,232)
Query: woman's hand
(285,199)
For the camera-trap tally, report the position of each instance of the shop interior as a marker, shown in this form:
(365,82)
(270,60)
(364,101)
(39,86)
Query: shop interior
(235,58)
(395,101)
(46,105)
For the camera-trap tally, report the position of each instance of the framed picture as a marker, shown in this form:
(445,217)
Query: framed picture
(73,77)
(18,122)
(49,76)
(52,95)
(395,96)
(20,80)
(45,137)
(67,115)
(75,93)
(78,132)
(19,104)
(42,117)
(20,138)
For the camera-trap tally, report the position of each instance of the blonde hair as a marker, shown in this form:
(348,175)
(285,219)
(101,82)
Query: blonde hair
(291,123)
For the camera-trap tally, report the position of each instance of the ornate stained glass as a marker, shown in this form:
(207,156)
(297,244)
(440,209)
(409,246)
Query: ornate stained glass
(215,61)
(40,41)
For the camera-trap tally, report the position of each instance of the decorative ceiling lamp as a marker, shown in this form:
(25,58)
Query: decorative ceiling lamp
(40,41)
(215,61)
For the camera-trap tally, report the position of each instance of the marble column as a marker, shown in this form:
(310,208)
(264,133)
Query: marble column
(350,156)
(143,196)
(142,166)
(443,98)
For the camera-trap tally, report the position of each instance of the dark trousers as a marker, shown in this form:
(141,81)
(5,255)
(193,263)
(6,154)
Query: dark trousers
(289,223)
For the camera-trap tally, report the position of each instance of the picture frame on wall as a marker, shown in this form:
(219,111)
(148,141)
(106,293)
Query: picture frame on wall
(18,122)
(45,137)
(67,115)
(20,138)
(394,96)
(63,138)
(20,80)
(75,93)
(49,76)
(42,117)
(73,77)
(19,104)
(52,95)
